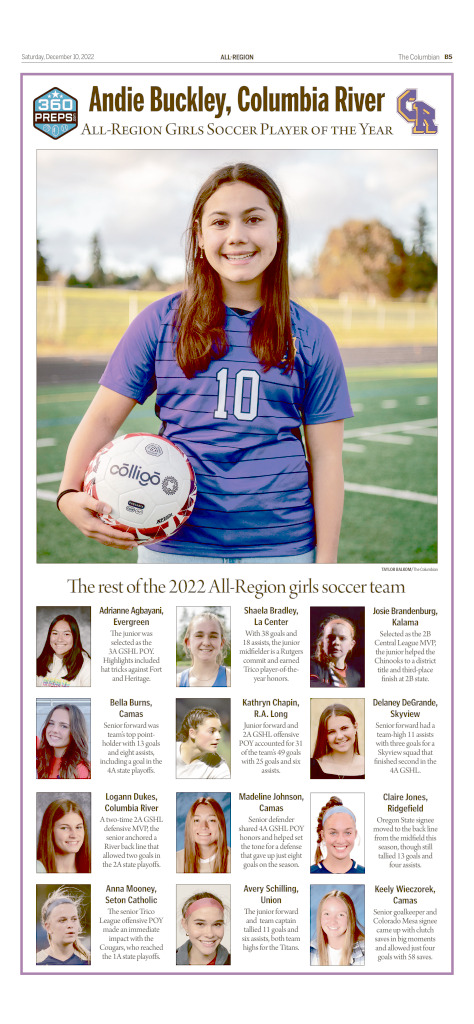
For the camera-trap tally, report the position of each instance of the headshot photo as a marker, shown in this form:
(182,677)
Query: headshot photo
(337,926)
(63,926)
(337,834)
(337,647)
(203,926)
(202,739)
(203,833)
(337,738)
(63,644)
(63,831)
(63,739)
(203,647)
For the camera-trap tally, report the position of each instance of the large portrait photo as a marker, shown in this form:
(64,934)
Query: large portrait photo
(237,356)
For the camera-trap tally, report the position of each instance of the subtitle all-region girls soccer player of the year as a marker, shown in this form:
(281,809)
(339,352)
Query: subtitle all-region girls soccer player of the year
(237,369)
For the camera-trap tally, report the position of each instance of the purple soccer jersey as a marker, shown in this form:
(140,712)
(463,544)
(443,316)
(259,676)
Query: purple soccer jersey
(239,426)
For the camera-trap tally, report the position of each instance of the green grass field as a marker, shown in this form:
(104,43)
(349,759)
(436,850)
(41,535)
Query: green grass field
(390,467)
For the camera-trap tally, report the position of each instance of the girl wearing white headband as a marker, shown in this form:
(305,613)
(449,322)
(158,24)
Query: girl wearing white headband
(337,834)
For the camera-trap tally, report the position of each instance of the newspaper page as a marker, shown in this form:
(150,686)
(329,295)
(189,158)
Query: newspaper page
(172,202)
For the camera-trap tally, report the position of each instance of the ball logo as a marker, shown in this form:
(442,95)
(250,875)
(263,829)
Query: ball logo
(153,449)
(136,507)
(55,113)
(144,503)
(170,485)
(137,473)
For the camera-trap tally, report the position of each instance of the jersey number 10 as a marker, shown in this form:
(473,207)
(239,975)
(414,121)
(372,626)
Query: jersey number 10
(251,400)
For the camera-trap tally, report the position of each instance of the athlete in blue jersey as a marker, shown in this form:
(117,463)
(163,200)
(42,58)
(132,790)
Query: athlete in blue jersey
(337,834)
(237,370)
(206,644)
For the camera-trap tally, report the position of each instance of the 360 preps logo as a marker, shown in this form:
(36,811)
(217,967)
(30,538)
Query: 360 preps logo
(55,113)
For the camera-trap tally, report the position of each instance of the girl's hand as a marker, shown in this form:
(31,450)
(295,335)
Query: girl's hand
(84,511)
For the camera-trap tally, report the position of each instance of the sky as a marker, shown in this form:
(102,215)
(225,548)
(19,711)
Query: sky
(138,202)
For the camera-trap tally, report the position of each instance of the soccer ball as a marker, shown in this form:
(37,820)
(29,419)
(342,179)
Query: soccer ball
(148,483)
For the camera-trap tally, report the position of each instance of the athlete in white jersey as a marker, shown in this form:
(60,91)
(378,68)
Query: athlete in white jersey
(196,747)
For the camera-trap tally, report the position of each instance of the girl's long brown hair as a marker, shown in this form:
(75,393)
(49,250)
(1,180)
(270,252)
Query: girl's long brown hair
(46,851)
(200,316)
(191,856)
(76,751)
(73,660)
(322,746)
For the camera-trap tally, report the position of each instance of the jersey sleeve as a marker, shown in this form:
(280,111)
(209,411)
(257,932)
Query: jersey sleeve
(221,771)
(131,368)
(326,395)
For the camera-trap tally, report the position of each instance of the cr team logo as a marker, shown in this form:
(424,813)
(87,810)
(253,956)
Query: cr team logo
(420,115)
(55,113)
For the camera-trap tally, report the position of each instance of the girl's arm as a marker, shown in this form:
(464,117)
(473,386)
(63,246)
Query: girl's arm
(105,415)
(324,448)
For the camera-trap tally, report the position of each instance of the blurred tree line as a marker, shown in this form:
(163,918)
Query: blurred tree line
(98,278)
(360,258)
(365,258)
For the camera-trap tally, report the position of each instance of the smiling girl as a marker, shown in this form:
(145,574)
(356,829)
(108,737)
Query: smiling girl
(338,940)
(203,922)
(63,841)
(337,834)
(62,748)
(238,371)
(205,839)
(336,753)
(205,643)
(63,660)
